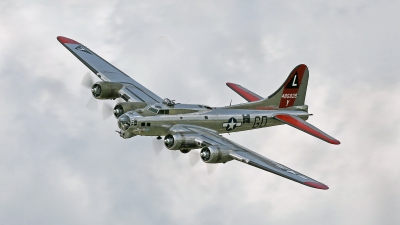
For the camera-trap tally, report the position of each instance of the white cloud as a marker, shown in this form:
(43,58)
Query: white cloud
(62,164)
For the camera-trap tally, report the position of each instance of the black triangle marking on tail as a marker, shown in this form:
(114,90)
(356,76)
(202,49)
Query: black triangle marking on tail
(294,82)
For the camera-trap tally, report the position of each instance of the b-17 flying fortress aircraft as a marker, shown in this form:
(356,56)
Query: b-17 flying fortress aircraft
(196,126)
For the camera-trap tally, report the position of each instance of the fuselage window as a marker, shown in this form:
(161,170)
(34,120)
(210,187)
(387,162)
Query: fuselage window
(206,117)
(153,110)
(166,111)
(142,124)
(134,123)
(148,124)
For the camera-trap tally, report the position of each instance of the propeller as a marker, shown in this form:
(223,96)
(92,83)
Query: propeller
(92,104)
(158,145)
(211,167)
(194,157)
(87,80)
(107,109)
(175,154)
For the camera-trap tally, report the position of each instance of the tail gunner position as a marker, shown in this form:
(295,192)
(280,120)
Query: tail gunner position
(196,126)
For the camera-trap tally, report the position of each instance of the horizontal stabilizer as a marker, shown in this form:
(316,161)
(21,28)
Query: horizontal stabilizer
(246,94)
(300,124)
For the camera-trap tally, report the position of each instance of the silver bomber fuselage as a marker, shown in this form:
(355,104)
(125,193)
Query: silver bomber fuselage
(218,119)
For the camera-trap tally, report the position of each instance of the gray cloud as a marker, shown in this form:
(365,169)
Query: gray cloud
(62,164)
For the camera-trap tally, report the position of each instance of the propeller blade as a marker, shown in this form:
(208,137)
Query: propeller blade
(158,145)
(211,167)
(87,80)
(92,104)
(107,110)
(175,154)
(194,157)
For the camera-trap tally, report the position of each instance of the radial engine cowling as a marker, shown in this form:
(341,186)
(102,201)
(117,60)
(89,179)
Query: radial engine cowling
(106,90)
(124,107)
(215,154)
(180,141)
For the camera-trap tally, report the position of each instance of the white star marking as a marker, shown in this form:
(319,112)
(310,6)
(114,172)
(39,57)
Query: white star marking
(230,125)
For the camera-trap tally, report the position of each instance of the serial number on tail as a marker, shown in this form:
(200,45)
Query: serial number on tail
(289,95)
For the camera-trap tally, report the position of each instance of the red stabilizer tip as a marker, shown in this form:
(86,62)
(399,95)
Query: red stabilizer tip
(316,185)
(299,124)
(65,40)
(245,94)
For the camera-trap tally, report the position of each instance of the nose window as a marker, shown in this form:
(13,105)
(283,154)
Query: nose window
(123,122)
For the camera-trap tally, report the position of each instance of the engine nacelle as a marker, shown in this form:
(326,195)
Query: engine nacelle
(124,107)
(215,154)
(106,90)
(179,141)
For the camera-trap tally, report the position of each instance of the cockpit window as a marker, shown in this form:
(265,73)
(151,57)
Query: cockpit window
(163,111)
(153,110)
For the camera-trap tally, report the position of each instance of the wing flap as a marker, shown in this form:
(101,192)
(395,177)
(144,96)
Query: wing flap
(107,72)
(302,125)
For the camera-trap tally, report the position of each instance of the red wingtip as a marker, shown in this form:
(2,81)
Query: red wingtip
(335,142)
(316,185)
(65,40)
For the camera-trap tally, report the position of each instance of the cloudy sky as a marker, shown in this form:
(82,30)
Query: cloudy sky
(62,163)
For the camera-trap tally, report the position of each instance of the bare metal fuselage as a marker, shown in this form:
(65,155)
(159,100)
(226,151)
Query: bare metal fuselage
(222,120)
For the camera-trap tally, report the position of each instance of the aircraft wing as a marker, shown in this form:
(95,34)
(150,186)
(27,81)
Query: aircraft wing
(206,137)
(245,93)
(131,91)
(302,125)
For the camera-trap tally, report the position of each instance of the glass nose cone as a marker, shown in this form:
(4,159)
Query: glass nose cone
(124,122)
